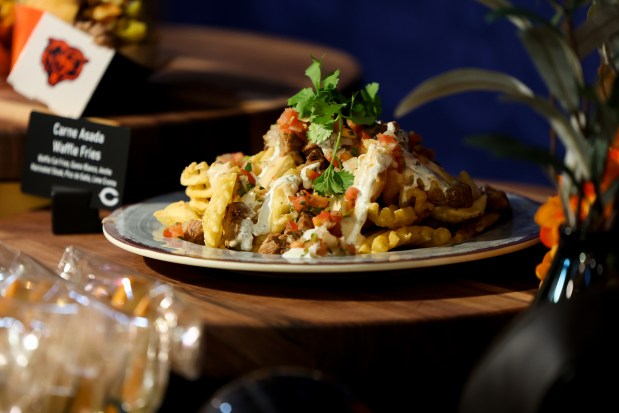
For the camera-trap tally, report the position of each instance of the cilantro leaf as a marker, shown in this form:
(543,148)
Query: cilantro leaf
(301,98)
(324,106)
(330,82)
(366,105)
(314,73)
(333,182)
(347,179)
(319,132)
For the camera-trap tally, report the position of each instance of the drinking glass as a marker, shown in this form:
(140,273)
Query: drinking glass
(63,349)
(135,294)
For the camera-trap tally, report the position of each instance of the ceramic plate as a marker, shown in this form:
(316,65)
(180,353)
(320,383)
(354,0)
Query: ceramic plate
(133,228)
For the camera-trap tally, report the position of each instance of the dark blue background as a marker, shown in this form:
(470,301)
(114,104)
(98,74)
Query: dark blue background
(400,43)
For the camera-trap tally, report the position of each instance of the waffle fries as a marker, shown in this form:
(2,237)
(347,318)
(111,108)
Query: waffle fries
(268,203)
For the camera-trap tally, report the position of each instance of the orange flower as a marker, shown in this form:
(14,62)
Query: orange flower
(541,270)
(549,217)
(612,168)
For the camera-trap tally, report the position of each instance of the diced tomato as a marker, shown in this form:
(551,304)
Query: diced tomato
(322,218)
(336,161)
(174,231)
(312,174)
(396,149)
(386,139)
(326,217)
(299,202)
(318,201)
(351,193)
(345,155)
(250,176)
(365,135)
(292,226)
(234,157)
(289,121)
(304,201)
(352,250)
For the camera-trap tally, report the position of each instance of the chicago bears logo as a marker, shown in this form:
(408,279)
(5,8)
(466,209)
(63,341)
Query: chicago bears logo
(62,62)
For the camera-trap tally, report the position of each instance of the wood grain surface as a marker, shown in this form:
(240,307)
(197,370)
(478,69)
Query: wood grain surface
(397,339)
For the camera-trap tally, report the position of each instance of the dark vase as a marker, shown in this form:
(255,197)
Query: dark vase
(584,261)
(560,355)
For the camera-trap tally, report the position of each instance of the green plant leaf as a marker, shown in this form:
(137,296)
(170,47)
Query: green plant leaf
(499,6)
(458,81)
(506,146)
(601,26)
(572,139)
(556,63)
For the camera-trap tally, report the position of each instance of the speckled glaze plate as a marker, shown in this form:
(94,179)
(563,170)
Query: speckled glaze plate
(134,229)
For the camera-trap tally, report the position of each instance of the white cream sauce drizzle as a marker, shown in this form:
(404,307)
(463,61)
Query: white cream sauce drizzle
(371,164)
(289,184)
(217,170)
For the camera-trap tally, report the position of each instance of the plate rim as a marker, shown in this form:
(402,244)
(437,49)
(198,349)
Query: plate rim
(302,265)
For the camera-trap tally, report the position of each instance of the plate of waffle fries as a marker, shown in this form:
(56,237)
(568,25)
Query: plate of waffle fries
(334,189)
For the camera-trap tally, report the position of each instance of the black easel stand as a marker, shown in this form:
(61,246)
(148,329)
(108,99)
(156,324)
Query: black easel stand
(72,213)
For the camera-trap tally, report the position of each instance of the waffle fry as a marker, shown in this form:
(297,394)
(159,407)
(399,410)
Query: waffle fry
(195,174)
(391,216)
(280,212)
(179,211)
(216,209)
(199,191)
(410,236)
(275,169)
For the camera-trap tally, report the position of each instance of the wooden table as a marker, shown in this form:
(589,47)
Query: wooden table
(402,340)
(219,92)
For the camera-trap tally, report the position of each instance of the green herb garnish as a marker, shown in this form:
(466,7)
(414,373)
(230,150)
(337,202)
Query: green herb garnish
(324,107)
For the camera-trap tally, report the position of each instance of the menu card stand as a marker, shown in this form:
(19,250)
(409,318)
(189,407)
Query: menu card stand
(72,212)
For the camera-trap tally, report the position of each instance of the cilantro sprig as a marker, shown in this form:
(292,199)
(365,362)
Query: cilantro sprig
(325,107)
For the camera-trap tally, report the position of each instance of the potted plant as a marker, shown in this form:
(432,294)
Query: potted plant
(583,116)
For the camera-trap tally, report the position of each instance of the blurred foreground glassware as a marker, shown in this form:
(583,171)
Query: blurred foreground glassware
(63,349)
(284,389)
(137,295)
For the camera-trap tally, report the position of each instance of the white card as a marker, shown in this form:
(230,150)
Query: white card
(60,66)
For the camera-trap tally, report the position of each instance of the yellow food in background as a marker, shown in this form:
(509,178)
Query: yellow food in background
(65,9)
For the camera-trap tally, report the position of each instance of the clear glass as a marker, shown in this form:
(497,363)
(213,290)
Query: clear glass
(65,350)
(135,294)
